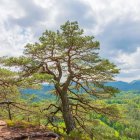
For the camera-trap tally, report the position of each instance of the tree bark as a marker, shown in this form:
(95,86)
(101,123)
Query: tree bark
(66,112)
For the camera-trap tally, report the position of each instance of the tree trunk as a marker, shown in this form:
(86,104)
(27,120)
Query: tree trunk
(66,112)
(9,112)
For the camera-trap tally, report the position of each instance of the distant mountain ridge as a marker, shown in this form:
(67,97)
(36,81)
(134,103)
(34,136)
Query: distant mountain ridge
(45,91)
(42,93)
(125,86)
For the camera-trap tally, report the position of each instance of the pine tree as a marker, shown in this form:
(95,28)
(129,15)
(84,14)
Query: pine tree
(70,61)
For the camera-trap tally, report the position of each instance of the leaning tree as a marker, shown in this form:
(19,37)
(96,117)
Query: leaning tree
(71,61)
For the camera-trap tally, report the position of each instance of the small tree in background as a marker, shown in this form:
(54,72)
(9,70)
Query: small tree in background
(9,92)
(11,101)
(71,61)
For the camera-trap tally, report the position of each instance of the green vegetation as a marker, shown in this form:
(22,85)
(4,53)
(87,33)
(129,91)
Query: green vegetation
(126,127)
(84,107)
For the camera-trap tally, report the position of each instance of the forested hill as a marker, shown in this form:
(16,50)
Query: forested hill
(134,85)
(42,92)
(46,88)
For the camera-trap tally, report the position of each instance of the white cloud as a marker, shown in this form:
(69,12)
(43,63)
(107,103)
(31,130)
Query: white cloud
(10,8)
(13,40)
(129,64)
(129,60)
(115,23)
(106,11)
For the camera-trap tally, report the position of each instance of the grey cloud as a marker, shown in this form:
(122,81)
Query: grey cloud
(75,11)
(121,36)
(33,14)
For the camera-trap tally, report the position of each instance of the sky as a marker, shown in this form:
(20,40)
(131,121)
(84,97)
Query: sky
(114,23)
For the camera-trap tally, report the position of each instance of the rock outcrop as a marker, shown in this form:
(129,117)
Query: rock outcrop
(15,133)
(3,124)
